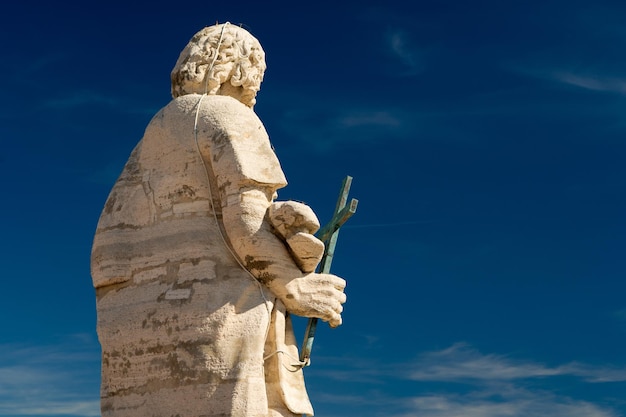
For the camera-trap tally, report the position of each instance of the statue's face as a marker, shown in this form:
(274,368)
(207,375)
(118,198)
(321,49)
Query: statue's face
(238,93)
(248,97)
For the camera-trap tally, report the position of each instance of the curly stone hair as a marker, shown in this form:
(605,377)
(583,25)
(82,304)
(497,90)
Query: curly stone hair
(240,60)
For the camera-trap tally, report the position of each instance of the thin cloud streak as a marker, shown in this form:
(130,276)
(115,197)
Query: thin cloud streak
(390,224)
(52,408)
(82,98)
(460,363)
(326,127)
(589,80)
(495,385)
(621,315)
(593,83)
(401,48)
(85,98)
(498,401)
(52,380)
(375,118)
(520,403)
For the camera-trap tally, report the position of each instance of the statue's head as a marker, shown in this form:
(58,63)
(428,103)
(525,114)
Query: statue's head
(221,59)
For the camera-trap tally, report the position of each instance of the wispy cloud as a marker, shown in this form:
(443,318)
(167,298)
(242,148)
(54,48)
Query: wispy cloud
(399,31)
(621,314)
(369,119)
(508,402)
(504,400)
(50,380)
(459,362)
(401,47)
(462,363)
(82,98)
(591,82)
(460,381)
(69,406)
(586,79)
(325,127)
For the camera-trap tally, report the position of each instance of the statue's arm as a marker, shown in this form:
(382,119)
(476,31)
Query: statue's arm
(247,172)
(265,256)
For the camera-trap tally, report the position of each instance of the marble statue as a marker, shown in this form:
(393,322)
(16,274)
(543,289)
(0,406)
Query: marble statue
(196,266)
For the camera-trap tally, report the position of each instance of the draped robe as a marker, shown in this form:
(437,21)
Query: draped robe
(185,329)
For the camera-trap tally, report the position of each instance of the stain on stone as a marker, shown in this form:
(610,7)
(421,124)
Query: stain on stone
(106,406)
(132,169)
(252,263)
(108,206)
(102,291)
(184,192)
(159,349)
(157,324)
(265,278)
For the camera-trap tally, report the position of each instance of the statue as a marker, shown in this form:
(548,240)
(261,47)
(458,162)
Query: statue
(196,266)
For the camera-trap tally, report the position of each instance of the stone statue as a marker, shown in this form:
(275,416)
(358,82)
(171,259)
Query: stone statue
(196,267)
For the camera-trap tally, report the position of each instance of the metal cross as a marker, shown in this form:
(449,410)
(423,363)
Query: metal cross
(329,234)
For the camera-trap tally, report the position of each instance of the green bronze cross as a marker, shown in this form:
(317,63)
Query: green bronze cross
(329,234)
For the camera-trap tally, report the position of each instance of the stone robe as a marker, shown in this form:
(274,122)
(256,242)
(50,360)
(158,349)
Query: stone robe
(185,329)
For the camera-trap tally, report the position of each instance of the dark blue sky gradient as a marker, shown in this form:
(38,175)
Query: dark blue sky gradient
(485,264)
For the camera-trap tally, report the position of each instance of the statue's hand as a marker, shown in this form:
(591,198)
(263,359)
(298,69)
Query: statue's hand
(316,295)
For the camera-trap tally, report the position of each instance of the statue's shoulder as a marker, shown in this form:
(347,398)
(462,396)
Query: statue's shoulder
(227,113)
(231,130)
(218,113)
(208,105)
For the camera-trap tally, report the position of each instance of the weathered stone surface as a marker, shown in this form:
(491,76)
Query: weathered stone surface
(291,217)
(306,250)
(295,223)
(193,285)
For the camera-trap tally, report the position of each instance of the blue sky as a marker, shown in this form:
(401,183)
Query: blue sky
(486,139)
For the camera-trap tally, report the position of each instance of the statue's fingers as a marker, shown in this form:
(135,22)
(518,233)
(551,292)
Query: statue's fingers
(335,281)
(335,321)
(332,310)
(338,297)
(341,285)
(341,297)
(336,306)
